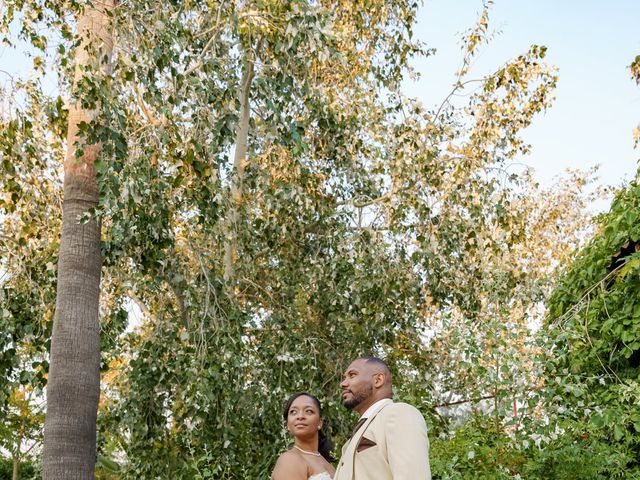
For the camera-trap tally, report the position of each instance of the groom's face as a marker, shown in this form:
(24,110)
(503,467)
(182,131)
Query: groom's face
(357,384)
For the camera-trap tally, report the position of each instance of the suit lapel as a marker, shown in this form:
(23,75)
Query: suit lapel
(352,445)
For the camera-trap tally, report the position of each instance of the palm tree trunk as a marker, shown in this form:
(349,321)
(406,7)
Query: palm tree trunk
(73,387)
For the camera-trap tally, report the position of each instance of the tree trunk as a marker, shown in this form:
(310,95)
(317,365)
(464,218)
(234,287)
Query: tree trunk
(73,387)
(237,179)
(16,467)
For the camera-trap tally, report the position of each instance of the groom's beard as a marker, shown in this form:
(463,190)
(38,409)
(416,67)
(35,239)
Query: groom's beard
(357,398)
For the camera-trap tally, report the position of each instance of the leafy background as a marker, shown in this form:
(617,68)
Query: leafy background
(354,221)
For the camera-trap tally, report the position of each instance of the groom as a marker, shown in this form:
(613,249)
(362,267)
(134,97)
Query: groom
(390,440)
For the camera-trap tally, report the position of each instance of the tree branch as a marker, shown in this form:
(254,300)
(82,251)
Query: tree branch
(143,106)
(208,45)
(457,86)
(367,201)
(239,163)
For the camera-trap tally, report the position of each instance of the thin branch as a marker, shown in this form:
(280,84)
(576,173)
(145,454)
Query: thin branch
(143,106)
(184,317)
(26,452)
(206,32)
(141,305)
(256,286)
(371,201)
(577,306)
(476,400)
(208,45)
(5,238)
(7,73)
(457,86)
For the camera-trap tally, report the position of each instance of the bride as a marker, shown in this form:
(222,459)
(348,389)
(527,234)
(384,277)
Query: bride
(310,456)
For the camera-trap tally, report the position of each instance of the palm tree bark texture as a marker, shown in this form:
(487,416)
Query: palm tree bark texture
(73,387)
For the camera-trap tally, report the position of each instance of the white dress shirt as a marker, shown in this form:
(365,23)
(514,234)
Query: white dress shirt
(373,409)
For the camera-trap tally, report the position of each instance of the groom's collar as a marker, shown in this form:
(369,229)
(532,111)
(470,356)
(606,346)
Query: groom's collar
(373,409)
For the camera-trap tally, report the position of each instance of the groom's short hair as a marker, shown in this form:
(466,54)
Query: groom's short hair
(381,364)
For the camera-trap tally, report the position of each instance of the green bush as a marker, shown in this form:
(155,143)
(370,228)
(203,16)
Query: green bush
(474,450)
(27,469)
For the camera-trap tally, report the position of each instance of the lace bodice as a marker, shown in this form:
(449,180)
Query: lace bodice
(320,476)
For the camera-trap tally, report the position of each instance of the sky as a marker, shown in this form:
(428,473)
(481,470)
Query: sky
(591,42)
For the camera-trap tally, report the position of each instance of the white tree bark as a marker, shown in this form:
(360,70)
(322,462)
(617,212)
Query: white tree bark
(239,164)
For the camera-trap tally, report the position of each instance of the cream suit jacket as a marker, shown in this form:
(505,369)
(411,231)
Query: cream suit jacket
(391,445)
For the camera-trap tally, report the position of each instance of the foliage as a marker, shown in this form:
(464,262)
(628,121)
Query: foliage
(27,469)
(262,248)
(566,449)
(21,431)
(474,450)
(635,74)
(29,207)
(577,451)
(595,326)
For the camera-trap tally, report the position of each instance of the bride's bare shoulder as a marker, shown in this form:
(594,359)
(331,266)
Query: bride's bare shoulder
(290,466)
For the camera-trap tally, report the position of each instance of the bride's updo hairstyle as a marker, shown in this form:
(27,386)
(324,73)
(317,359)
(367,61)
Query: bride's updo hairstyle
(325,445)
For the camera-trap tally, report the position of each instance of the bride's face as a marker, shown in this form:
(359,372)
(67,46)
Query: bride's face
(303,418)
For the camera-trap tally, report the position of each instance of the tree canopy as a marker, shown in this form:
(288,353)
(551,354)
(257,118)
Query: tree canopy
(272,206)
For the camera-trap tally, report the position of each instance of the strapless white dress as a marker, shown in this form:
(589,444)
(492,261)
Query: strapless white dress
(320,476)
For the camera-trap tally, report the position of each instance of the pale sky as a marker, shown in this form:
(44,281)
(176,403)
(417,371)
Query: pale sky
(591,42)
